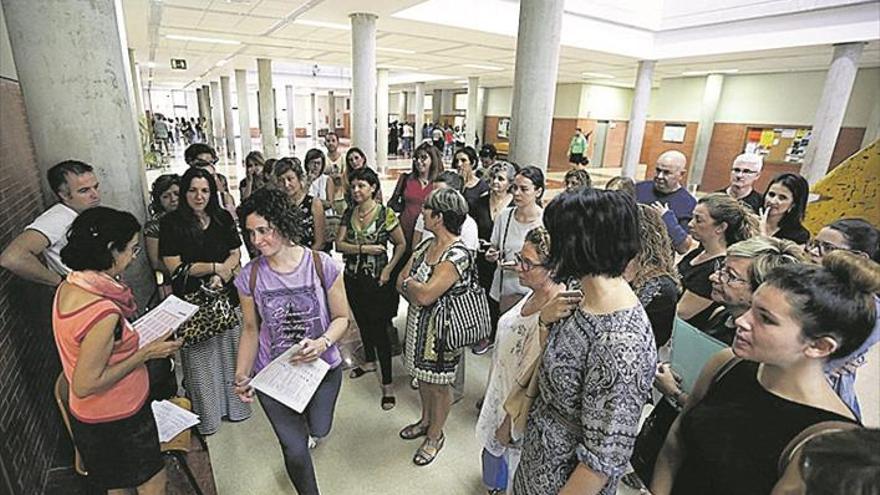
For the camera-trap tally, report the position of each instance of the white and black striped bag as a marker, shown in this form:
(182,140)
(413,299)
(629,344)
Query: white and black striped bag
(464,313)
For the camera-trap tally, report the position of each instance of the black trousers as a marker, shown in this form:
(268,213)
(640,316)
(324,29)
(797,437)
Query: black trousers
(372,304)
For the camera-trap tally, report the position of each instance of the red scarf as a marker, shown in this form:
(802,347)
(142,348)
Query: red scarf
(104,285)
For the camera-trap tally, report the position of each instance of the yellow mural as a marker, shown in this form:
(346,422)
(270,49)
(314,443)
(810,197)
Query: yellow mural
(852,189)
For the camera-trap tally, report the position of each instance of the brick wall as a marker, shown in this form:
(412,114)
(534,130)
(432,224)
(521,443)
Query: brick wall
(30,425)
(653,144)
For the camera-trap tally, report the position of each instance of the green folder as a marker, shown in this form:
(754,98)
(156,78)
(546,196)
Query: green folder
(691,349)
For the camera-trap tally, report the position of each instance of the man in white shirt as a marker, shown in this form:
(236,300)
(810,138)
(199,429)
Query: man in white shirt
(76,186)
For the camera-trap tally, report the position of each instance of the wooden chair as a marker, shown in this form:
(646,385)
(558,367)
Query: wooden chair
(176,448)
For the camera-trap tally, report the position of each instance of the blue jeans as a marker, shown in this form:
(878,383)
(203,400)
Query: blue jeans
(293,429)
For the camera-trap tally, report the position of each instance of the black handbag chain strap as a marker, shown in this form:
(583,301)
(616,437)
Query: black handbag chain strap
(503,245)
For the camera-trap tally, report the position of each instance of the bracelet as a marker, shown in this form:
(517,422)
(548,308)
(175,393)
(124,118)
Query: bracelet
(404,286)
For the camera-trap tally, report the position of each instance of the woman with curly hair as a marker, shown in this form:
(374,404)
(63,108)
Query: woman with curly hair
(653,275)
(289,295)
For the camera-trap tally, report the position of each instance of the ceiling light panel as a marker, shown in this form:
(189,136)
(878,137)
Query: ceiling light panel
(202,39)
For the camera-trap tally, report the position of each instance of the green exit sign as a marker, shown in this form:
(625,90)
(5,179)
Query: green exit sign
(178,64)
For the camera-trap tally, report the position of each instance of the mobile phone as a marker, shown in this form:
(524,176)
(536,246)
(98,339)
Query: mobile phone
(571,293)
(507,264)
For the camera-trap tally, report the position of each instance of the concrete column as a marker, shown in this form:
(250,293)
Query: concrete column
(419,111)
(471,125)
(381,119)
(137,91)
(217,114)
(314,119)
(208,127)
(635,130)
(267,107)
(534,84)
(291,125)
(331,110)
(244,116)
(436,106)
(832,107)
(401,107)
(200,99)
(363,79)
(600,135)
(481,117)
(872,129)
(711,96)
(227,116)
(75,102)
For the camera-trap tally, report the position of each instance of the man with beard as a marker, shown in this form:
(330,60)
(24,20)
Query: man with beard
(665,192)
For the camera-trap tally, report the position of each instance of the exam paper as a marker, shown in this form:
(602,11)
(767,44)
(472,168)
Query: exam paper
(168,315)
(172,419)
(291,384)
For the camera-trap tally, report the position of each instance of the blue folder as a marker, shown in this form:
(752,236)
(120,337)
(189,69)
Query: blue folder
(691,349)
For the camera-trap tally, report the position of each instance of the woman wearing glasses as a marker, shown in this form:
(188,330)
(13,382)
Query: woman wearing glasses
(519,344)
(859,237)
(718,222)
(413,188)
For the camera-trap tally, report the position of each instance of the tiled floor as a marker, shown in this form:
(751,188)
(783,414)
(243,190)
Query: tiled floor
(363,454)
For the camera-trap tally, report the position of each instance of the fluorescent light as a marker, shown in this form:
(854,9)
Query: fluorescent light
(398,67)
(222,63)
(181,37)
(597,75)
(395,50)
(483,67)
(329,25)
(707,72)
(151,65)
(460,81)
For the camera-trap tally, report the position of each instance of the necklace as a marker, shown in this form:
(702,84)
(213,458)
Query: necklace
(499,205)
(363,215)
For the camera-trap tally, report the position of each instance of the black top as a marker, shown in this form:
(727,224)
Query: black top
(481,213)
(211,245)
(473,194)
(659,296)
(797,233)
(695,278)
(733,438)
(720,326)
(753,200)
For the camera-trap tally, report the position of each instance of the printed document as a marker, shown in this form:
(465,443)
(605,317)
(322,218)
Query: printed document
(291,384)
(168,315)
(172,419)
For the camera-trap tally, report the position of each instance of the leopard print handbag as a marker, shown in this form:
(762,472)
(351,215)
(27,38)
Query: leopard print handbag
(215,315)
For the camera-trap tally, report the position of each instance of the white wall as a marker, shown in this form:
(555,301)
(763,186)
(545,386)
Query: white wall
(7,66)
(568,101)
(677,99)
(605,102)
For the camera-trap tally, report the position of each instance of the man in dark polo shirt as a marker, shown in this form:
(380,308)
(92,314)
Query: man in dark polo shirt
(665,192)
(744,172)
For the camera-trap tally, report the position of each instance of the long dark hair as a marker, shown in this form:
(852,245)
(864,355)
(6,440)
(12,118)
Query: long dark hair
(215,212)
(160,185)
(800,191)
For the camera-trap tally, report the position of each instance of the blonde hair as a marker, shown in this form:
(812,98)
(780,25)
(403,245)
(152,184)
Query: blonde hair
(741,223)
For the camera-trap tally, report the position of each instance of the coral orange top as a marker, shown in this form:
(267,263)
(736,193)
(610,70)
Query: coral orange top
(124,398)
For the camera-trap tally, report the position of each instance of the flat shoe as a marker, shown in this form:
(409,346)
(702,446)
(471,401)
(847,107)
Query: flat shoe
(359,372)
(423,457)
(413,431)
(388,402)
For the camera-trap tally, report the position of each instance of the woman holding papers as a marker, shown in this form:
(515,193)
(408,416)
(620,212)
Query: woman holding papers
(110,416)
(290,295)
(753,403)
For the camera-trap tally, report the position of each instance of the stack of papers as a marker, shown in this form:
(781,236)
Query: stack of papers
(165,317)
(291,384)
(172,419)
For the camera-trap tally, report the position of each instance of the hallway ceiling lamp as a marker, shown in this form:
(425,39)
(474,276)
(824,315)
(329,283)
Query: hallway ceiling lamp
(199,39)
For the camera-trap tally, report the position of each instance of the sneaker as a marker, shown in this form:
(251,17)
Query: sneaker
(313,442)
(482,347)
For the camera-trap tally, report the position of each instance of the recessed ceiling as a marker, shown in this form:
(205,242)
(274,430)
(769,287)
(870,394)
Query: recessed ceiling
(316,32)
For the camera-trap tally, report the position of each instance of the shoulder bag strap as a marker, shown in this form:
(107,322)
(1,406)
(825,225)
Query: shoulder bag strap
(319,267)
(724,369)
(808,434)
(503,244)
(252,285)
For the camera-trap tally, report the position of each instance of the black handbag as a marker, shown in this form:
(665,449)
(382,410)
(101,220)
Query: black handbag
(651,438)
(463,313)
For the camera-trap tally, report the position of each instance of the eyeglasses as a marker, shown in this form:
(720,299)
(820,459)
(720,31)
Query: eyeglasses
(726,275)
(743,171)
(822,248)
(524,264)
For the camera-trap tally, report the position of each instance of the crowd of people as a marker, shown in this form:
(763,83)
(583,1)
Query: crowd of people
(577,298)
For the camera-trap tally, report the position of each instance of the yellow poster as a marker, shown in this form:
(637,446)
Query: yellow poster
(767,137)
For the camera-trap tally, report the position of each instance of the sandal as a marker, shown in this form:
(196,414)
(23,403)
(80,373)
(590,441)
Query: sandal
(359,372)
(424,456)
(413,431)
(388,402)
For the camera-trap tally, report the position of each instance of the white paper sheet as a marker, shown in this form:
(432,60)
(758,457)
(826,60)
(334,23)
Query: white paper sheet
(291,384)
(168,315)
(172,419)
